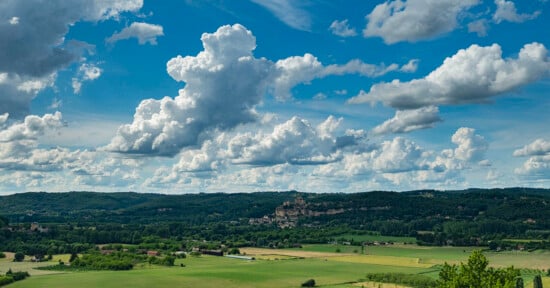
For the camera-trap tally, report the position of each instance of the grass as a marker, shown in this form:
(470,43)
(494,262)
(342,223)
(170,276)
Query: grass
(522,240)
(284,268)
(539,259)
(7,264)
(211,271)
(380,238)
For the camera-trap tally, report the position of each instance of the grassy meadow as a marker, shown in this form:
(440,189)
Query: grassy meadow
(281,268)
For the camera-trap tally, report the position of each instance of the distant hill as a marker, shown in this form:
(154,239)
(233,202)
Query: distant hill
(510,204)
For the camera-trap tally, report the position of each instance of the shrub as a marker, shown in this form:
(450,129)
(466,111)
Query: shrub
(309,283)
(17,276)
(18,257)
(2,255)
(414,280)
(5,280)
(12,277)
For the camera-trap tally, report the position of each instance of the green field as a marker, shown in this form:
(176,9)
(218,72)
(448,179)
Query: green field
(440,255)
(372,238)
(211,271)
(319,262)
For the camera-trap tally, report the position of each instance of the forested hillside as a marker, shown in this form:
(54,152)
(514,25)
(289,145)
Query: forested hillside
(470,217)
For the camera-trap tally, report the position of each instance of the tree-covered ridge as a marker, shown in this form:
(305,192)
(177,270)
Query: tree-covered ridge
(469,217)
(510,202)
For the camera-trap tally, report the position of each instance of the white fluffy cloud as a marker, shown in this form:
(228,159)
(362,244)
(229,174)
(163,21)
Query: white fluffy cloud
(43,51)
(538,147)
(342,28)
(479,27)
(537,166)
(398,155)
(403,162)
(33,43)
(279,149)
(295,70)
(472,75)
(224,83)
(471,146)
(144,32)
(409,120)
(86,72)
(18,91)
(410,67)
(30,128)
(14,20)
(295,142)
(22,154)
(19,141)
(506,11)
(414,20)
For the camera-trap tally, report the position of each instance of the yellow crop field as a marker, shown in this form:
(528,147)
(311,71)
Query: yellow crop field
(382,260)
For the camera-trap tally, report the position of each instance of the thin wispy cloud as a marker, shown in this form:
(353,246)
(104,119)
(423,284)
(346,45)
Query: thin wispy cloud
(289,12)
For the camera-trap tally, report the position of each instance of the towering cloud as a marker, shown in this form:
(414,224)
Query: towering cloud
(224,83)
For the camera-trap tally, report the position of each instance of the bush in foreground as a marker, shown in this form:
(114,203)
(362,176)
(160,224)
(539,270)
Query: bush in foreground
(414,280)
(11,277)
(309,283)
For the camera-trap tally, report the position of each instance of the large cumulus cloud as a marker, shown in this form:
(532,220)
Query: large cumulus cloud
(295,141)
(223,85)
(472,75)
(33,42)
(401,161)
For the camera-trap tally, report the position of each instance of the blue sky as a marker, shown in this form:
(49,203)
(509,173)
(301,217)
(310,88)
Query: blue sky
(240,96)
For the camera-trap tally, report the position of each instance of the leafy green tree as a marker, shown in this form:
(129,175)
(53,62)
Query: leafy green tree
(476,274)
(537,282)
(18,257)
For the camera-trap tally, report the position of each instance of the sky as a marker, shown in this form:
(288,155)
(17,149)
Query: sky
(267,95)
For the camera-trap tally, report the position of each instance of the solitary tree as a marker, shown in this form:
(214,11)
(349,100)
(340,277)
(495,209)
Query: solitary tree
(74,256)
(18,257)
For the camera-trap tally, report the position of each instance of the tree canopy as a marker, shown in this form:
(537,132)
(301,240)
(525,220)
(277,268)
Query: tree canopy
(476,273)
